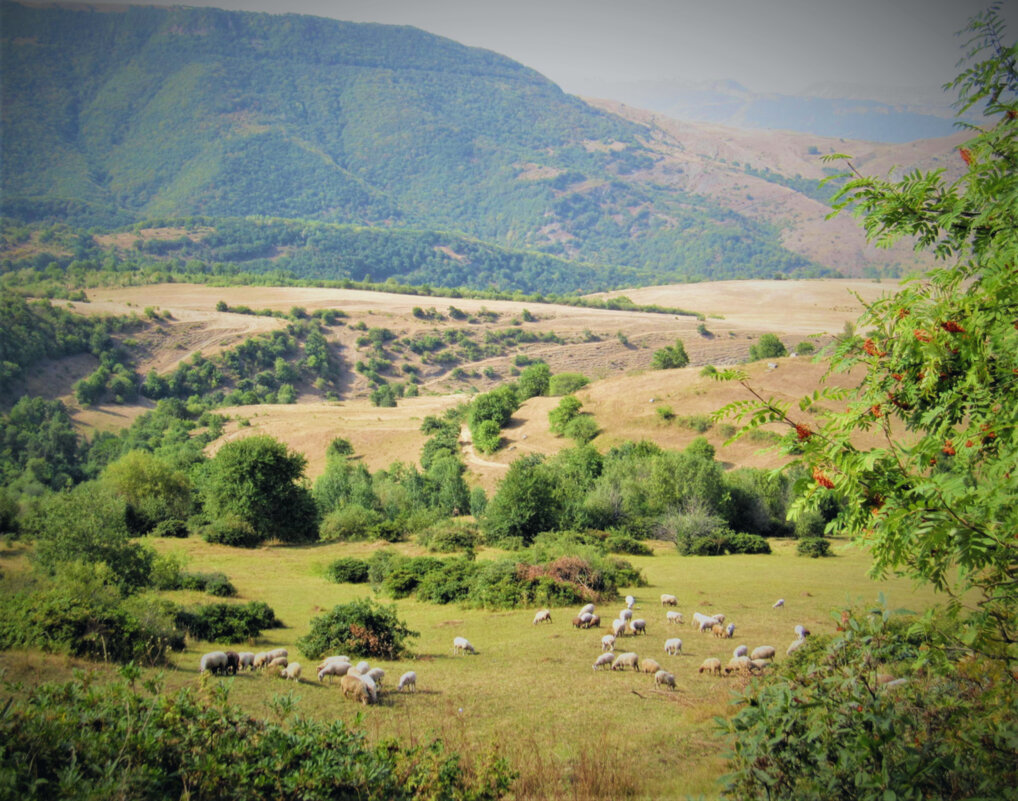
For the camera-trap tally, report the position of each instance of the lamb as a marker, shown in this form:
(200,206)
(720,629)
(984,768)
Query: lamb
(741,650)
(352,687)
(705,622)
(718,630)
(762,652)
(649,666)
(247,659)
(461,645)
(330,669)
(408,682)
(291,671)
(608,642)
(543,616)
(279,661)
(376,674)
(214,661)
(737,664)
(674,617)
(604,660)
(664,678)
(628,659)
(711,665)
(673,646)
(669,600)
(587,610)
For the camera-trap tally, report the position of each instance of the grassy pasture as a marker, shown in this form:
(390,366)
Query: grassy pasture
(530,692)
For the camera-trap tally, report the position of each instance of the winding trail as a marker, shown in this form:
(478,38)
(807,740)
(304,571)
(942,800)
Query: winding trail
(467,442)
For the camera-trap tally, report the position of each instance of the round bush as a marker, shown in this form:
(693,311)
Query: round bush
(347,571)
(231,530)
(747,543)
(814,547)
(361,627)
(170,528)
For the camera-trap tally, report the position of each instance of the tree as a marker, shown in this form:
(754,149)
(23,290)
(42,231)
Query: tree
(938,499)
(768,347)
(670,357)
(152,489)
(560,417)
(362,627)
(533,381)
(524,504)
(260,482)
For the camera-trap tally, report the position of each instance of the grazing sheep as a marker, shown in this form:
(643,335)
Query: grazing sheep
(247,659)
(594,622)
(604,660)
(674,617)
(669,600)
(628,659)
(362,667)
(587,610)
(762,652)
(649,666)
(639,626)
(673,646)
(586,617)
(291,671)
(278,652)
(376,674)
(407,682)
(608,642)
(742,650)
(261,659)
(758,665)
(618,627)
(795,645)
(543,616)
(778,603)
(232,662)
(719,617)
(737,664)
(352,687)
(370,684)
(711,665)
(729,630)
(630,602)
(578,622)
(214,661)
(801,631)
(663,677)
(278,662)
(461,645)
(330,669)
(705,622)
(330,659)
(626,614)
(717,630)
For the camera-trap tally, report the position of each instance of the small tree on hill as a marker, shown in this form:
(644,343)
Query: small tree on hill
(670,357)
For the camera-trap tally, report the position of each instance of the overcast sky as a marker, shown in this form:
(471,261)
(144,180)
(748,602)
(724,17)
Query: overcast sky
(766,45)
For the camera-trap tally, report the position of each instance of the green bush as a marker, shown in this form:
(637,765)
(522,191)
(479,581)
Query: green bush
(170,528)
(747,543)
(620,542)
(566,383)
(347,570)
(117,740)
(213,583)
(361,627)
(231,530)
(227,622)
(349,523)
(814,547)
(670,357)
(448,536)
(581,429)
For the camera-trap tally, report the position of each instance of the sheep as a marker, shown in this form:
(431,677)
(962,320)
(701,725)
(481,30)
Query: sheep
(330,659)
(331,669)
(618,627)
(758,665)
(673,646)
(586,618)
(669,600)
(639,626)
(719,617)
(461,645)
(762,652)
(630,602)
(362,667)
(543,616)
(376,674)
(291,671)
(729,630)
(628,659)
(717,630)
(278,652)
(711,665)
(247,659)
(579,622)
(261,659)
(674,617)
(407,682)
(705,622)
(649,666)
(608,642)
(801,631)
(352,687)
(370,684)
(279,661)
(232,662)
(594,622)
(741,650)
(663,677)
(214,661)
(626,614)
(778,603)
(587,610)
(795,645)
(604,660)
(738,664)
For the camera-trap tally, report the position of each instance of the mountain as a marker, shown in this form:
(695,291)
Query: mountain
(285,142)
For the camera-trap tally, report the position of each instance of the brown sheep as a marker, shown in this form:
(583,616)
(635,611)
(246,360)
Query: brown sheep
(355,689)
(711,665)
(649,666)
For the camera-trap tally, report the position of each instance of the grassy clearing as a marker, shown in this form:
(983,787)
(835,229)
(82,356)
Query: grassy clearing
(530,692)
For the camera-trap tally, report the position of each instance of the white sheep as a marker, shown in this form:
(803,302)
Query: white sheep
(801,631)
(630,602)
(608,642)
(587,610)
(729,630)
(795,645)
(291,671)
(408,682)
(628,659)
(542,616)
(362,667)
(370,684)
(738,664)
(762,652)
(708,623)
(279,661)
(353,687)
(778,603)
(674,617)
(669,600)
(673,646)
(333,659)
(618,627)
(330,669)
(626,615)
(461,645)
(261,659)
(604,660)
(214,661)
(278,652)
(711,665)
(247,659)
(639,626)
(376,674)
(741,650)
(663,677)
(649,666)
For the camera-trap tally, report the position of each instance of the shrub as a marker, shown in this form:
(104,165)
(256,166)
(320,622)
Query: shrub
(449,536)
(805,348)
(170,528)
(347,570)
(670,357)
(361,627)
(620,542)
(231,530)
(666,413)
(349,522)
(768,347)
(581,429)
(227,622)
(213,583)
(566,383)
(747,543)
(814,547)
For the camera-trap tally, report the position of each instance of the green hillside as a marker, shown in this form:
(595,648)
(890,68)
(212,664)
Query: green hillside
(112,118)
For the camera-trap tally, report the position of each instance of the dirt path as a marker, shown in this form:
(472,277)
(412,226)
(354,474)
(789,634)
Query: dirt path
(467,442)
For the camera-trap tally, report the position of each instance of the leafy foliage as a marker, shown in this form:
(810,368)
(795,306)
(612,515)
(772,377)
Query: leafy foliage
(670,357)
(360,627)
(227,623)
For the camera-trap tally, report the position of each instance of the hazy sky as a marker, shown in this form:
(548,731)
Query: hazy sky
(766,45)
